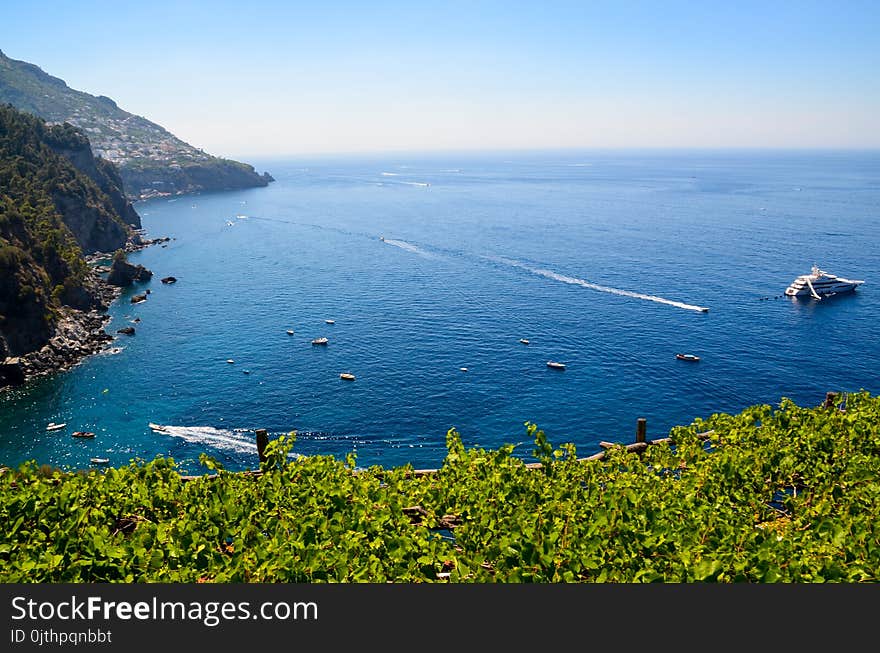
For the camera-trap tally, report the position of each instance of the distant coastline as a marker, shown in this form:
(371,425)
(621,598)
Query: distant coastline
(152,162)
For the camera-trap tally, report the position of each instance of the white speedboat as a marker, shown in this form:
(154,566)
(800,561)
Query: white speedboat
(819,283)
(319,341)
(555,365)
(52,426)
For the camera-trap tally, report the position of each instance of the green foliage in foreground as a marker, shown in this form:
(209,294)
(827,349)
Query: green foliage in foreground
(784,494)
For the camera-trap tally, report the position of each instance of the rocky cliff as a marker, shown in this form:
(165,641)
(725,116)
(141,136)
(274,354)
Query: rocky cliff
(56,202)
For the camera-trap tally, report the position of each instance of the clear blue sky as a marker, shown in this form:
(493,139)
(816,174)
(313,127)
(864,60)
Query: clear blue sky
(275,78)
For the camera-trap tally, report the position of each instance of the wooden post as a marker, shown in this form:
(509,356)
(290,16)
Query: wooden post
(262,441)
(641,429)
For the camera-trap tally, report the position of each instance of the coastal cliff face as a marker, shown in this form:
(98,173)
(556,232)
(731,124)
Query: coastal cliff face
(76,148)
(151,160)
(56,202)
(214,175)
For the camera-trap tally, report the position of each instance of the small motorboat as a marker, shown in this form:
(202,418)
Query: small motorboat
(158,428)
(319,341)
(52,426)
(83,434)
(555,365)
(290,332)
(524,341)
(330,321)
(230,361)
(99,461)
(687,357)
(345,376)
(463,369)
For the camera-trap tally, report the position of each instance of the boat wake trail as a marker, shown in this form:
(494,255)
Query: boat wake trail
(226,440)
(549,274)
(402,244)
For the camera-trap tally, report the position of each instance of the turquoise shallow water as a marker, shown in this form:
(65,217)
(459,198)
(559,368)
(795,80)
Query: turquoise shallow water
(597,259)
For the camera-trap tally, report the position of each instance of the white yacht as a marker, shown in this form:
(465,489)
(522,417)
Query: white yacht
(820,283)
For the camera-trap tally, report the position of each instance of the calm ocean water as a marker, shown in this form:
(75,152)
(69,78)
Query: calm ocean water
(599,260)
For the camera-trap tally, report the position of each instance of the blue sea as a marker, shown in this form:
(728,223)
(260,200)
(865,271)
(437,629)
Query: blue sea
(434,267)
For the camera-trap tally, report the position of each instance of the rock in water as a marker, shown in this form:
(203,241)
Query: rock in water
(123,273)
(128,331)
(11,372)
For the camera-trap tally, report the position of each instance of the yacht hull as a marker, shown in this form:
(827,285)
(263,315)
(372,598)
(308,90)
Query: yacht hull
(794,291)
(820,284)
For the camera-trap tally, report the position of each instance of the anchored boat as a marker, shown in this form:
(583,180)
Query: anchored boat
(820,283)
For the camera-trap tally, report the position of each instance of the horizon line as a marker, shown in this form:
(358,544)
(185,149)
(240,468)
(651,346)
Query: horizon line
(564,150)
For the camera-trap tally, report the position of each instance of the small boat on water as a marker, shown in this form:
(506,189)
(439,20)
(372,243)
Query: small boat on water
(319,341)
(290,332)
(330,321)
(687,357)
(83,434)
(99,461)
(157,427)
(463,369)
(524,341)
(230,361)
(555,365)
(52,426)
(345,376)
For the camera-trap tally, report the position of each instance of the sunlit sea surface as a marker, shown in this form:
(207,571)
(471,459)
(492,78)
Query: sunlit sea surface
(433,268)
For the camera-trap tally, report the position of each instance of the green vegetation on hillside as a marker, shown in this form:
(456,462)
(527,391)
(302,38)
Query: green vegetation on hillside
(49,211)
(784,494)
